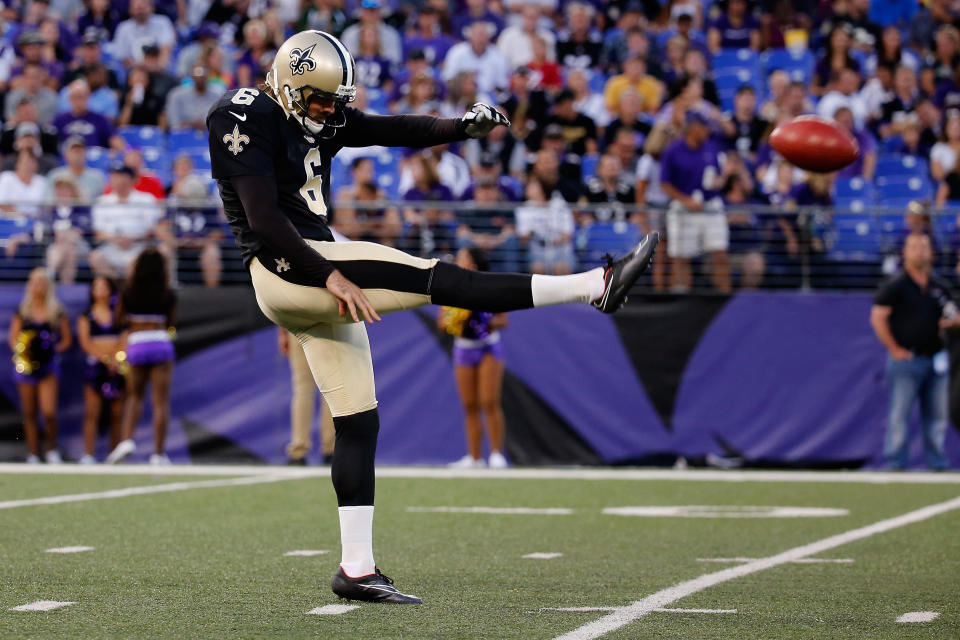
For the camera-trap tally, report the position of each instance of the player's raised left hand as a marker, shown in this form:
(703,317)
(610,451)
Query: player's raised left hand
(482,119)
(351,298)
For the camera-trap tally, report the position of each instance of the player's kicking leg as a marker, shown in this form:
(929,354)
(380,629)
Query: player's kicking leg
(338,353)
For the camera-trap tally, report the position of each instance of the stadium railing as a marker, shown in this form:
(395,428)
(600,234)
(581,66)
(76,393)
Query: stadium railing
(845,247)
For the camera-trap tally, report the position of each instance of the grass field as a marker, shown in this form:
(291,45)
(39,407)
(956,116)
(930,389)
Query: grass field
(205,559)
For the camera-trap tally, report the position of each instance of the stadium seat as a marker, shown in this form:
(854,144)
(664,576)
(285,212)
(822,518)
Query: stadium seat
(142,136)
(185,138)
(798,64)
(898,191)
(735,59)
(605,237)
(855,238)
(98,158)
(901,166)
(588,165)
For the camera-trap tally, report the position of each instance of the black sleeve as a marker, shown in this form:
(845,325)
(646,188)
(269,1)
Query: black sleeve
(241,147)
(258,195)
(888,294)
(365,130)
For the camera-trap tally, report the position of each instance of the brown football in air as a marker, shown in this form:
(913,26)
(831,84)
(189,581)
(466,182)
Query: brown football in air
(815,144)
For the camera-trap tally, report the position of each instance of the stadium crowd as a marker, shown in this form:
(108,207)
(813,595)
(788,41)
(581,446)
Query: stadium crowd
(626,116)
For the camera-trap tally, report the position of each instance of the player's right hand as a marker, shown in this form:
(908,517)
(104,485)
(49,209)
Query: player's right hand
(351,298)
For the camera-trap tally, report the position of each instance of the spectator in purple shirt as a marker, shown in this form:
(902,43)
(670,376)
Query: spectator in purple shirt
(866,163)
(734,29)
(432,231)
(373,70)
(428,37)
(696,223)
(31,46)
(476,11)
(95,130)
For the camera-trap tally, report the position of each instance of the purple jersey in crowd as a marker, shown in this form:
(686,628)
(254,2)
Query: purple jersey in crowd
(92,127)
(732,37)
(688,169)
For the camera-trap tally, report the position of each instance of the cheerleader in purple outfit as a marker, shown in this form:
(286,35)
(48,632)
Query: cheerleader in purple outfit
(39,333)
(99,336)
(478,364)
(147,307)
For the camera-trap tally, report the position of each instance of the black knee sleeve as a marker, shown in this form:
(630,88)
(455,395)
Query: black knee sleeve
(356,446)
(453,286)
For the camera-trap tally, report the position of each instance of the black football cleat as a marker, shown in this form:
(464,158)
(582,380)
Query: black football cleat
(374,587)
(619,275)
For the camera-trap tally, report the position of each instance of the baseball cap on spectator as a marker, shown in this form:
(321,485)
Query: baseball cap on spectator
(682,11)
(633,6)
(91,36)
(695,117)
(119,167)
(26,129)
(489,159)
(417,54)
(74,141)
(208,30)
(522,70)
(745,88)
(31,37)
(151,49)
(370,4)
(918,208)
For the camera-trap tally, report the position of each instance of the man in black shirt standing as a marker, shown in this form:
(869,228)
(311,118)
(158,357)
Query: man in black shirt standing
(271,149)
(908,313)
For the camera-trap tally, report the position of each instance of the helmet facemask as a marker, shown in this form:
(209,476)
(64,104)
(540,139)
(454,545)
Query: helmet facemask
(296,103)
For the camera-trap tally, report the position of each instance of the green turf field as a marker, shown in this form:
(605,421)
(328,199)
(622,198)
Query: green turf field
(208,561)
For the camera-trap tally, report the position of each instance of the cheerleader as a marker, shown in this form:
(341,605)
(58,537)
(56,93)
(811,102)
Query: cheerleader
(147,307)
(479,366)
(39,333)
(99,336)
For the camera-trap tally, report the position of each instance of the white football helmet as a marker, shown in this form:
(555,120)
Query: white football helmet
(313,63)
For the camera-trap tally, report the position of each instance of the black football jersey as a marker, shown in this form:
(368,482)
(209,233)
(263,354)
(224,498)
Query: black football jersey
(250,135)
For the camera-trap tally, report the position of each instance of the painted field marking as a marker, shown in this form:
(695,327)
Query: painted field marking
(306,552)
(586,609)
(140,491)
(622,616)
(694,610)
(543,556)
(800,561)
(725,511)
(919,616)
(498,511)
(332,609)
(69,549)
(42,605)
(440,473)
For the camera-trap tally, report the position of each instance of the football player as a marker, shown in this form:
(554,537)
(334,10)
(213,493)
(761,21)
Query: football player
(271,149)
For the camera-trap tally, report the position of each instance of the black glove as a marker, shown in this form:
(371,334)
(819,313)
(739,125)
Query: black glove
(481,120)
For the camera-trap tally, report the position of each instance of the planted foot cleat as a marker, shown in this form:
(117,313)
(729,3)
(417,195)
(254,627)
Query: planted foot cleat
(374,587)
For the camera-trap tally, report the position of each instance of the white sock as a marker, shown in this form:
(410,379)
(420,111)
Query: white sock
(578,287)
(356,540)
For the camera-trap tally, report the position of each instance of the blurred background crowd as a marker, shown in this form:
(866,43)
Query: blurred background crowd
(626,116)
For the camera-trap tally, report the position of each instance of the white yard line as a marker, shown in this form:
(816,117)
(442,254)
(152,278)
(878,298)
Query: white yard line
(568,473)
(42,605)
(549,555)
(496,511)
(800,561)
(623,616)
(77,549)
(307,552)
(332,609)
(140,491)
(919,616)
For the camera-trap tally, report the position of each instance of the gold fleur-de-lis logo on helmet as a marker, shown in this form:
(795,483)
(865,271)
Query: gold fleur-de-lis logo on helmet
(300,60)
(235,140)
